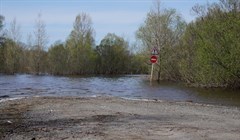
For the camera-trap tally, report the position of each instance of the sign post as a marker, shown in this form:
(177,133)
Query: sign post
(153,60)
(152,72)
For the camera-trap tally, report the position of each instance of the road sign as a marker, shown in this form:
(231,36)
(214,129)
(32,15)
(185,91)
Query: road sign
(153,59)
(155,51)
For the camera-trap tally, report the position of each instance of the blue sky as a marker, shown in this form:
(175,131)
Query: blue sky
(122,17)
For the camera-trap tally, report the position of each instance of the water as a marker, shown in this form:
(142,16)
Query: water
(135,87)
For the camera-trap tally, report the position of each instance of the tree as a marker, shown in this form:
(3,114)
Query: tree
(163,29)
(14,31)
(14,46)
(1,27)
(80,46)
(11,57)
(213,38)
(57,56)
(38,52)
(138,63)
(1,44)
(113,56)
(10,49)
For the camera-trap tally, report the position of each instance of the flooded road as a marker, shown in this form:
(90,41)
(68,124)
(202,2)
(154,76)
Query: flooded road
(134,87)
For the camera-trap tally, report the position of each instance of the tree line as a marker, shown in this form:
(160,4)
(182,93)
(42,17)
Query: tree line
(204,52)
(78,55)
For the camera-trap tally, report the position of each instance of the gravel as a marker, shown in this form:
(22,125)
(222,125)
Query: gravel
(110,118)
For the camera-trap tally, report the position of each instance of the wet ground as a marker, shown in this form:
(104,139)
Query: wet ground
(105,118)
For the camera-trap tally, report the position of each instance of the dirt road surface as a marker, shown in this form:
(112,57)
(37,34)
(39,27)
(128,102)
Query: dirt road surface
(109,118)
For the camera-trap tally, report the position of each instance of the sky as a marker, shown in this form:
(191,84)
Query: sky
(122,17)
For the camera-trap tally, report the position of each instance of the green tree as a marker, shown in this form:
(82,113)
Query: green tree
(213,39)
(80,46)
(9,56)
(138,63)
(163,30)
(113,56)
(57,57)
(14,45)
(10,49)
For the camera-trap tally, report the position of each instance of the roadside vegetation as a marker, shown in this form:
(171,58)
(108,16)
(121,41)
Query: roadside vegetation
(204,52)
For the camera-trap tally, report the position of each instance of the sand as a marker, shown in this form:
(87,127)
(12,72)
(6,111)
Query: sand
(110,118)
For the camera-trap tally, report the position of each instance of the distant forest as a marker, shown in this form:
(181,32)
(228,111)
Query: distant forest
(204,52)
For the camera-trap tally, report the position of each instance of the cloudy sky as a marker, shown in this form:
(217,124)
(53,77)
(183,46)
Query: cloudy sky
(122,17)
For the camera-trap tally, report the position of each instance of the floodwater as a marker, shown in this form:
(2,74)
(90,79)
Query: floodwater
(128,86)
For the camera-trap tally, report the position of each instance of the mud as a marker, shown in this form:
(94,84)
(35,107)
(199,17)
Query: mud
(108,118)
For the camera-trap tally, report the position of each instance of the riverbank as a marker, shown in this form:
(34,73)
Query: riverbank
(44,118)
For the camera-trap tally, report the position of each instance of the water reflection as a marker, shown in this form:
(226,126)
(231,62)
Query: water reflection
(120,86)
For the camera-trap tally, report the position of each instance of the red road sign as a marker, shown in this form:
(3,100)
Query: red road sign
(153,59)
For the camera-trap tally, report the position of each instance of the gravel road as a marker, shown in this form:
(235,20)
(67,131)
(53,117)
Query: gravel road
(110,118)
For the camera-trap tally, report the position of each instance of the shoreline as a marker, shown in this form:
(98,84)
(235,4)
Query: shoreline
(115,118)
(124,98)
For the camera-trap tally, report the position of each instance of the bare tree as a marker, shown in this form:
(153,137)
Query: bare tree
(40,43)
(82,33)
(14,31)
(162,30)
(41,37)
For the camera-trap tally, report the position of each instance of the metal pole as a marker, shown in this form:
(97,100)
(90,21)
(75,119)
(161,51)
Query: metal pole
(152,73)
